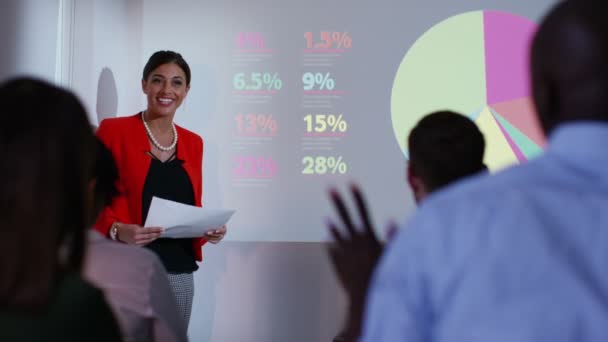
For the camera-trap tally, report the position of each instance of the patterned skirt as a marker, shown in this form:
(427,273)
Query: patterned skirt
(182,285)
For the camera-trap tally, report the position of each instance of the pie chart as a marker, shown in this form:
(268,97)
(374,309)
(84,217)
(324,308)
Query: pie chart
(475,63)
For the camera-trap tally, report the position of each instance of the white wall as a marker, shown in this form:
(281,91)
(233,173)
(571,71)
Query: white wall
(28,38)
(245,291)
(266,292)
(107,57)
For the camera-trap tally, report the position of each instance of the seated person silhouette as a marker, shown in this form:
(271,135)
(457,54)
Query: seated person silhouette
(444,147)
(143,301)
(49,150)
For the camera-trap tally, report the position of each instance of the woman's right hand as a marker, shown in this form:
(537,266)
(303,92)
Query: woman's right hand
(135,234)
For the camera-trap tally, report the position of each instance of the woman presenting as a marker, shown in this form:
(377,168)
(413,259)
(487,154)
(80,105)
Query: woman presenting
(155,157)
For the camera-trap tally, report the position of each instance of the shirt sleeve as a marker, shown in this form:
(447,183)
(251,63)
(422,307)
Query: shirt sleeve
(118,211)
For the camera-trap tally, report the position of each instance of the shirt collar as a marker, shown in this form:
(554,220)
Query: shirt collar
(581,142)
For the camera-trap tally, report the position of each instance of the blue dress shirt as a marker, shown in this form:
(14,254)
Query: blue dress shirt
(518,256)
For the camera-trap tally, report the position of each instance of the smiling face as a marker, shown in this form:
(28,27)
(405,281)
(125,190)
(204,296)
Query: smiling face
(165,88)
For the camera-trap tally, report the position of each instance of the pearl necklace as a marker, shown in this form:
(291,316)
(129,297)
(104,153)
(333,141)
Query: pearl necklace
(153,139)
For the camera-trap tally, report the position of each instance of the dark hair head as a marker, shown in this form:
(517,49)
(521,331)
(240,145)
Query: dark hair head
(568,64)
(105,174)
(165,57)
(445,146)
(47,145)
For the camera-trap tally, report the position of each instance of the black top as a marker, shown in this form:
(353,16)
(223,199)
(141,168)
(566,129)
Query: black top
(169,180)
(76,312)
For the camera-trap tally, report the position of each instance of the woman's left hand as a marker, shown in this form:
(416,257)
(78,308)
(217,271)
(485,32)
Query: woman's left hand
(215,236)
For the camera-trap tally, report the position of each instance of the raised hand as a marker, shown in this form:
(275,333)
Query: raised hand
(354,254)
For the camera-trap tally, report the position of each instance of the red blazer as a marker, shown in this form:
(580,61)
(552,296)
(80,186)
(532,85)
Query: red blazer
(127,139)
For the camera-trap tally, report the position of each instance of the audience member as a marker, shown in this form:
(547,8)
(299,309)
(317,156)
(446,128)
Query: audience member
(138,291)
(47,147)
(444,147)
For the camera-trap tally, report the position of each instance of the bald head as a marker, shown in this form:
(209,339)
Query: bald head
(569,63)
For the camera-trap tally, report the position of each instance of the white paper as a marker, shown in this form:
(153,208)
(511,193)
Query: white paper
(184,221)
